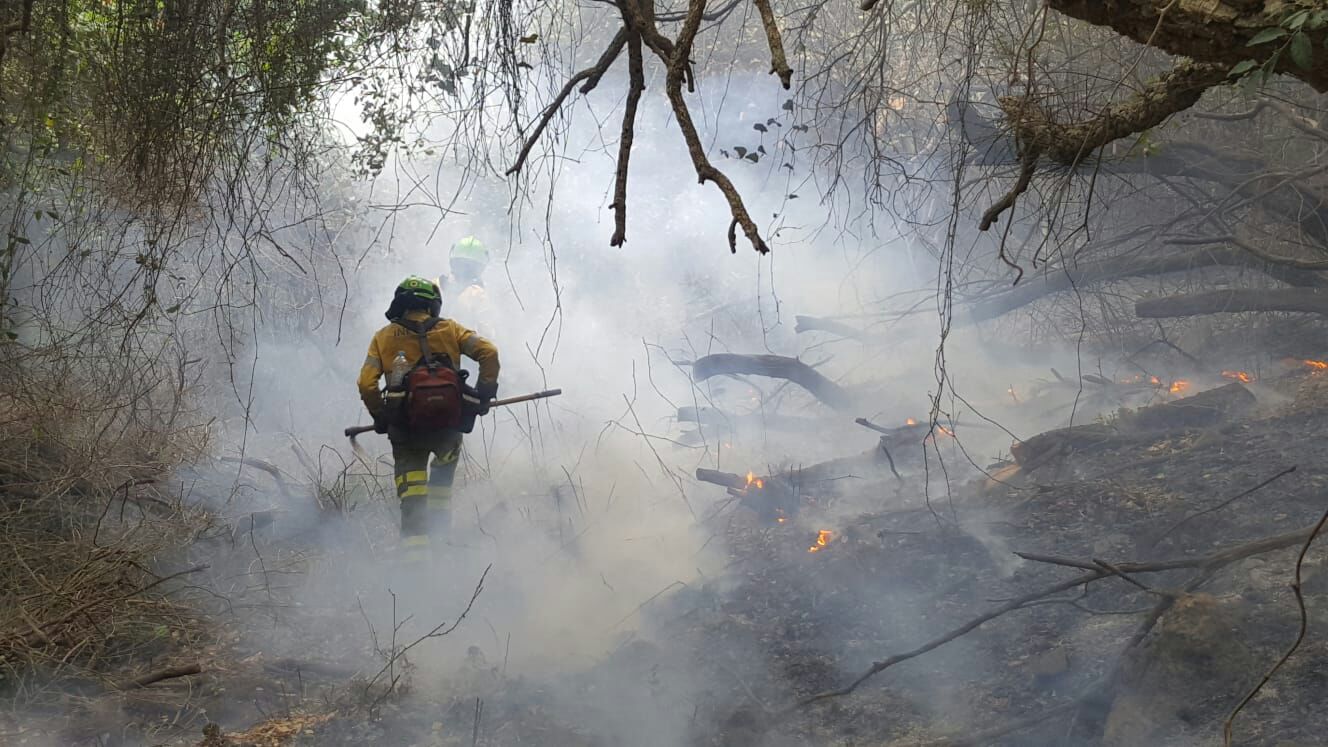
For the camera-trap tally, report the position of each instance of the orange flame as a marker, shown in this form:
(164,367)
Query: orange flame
(1154,381)
(1240,376)
(1317,365)
(945,430)
(752,479)
(910,421)
(1179,385)
(823,537)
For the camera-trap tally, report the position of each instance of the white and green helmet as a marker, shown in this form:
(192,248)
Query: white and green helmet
(472,249)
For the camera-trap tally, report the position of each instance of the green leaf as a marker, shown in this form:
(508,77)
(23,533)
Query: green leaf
(1242,68)
(1301,50)
(1296,20)
(1269,34)
(173,309)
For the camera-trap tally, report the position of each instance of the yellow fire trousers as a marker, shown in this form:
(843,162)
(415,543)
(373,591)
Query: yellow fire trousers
(426,494)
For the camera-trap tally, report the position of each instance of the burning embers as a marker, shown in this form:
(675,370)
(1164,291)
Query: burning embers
(1241,376)
(753,481)
(823,538)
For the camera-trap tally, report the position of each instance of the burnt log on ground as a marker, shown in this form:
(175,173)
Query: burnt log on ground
(1202,410)
(1061,279)
(1231,301)
(779,493)
(777,367)
(816,324)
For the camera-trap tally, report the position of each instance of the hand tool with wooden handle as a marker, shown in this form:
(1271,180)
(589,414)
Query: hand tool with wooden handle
(356,430)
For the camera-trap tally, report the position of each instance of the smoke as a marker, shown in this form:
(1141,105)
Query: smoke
(583,508)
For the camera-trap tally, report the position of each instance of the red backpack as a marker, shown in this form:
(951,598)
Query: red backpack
(433,387)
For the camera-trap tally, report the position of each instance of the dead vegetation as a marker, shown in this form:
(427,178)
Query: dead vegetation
(94,557)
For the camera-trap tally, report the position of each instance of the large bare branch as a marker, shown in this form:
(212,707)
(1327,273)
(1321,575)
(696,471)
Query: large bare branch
(675,56)
(636,85)
(778,64)
(1173,92)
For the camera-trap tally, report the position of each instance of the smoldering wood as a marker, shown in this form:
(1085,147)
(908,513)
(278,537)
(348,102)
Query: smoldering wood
(781,492)
(1205,409)
(1307,300)
(777,367)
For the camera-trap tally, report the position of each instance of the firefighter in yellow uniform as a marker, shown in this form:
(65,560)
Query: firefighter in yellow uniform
(425,495)
(464,287)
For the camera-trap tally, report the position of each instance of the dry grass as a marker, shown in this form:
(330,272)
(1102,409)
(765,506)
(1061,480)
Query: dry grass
(92,546)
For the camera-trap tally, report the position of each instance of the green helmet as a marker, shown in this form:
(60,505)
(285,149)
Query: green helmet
(472,249)
(419,287)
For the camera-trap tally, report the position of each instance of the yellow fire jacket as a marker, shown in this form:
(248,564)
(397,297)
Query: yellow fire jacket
(446,337)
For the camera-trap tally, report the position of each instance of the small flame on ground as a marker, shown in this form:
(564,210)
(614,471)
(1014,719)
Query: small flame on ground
(823,537)
(1241,376)
(1179,385)
(1317,365)
(752,479)
(910,421)
(1154,381)
(945,430)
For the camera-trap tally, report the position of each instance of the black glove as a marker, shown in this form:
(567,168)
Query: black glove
(486,391)
(380,424)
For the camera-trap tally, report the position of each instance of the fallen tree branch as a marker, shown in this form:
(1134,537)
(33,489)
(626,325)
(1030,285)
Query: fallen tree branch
(1250,491)
(1207,563)
(1059,279)
(774,366)
(183,670)
(816,324)
(1275,260)
(1228,725)
(1232,301)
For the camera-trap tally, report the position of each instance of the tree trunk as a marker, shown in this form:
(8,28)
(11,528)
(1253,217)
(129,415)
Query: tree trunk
(1230,301)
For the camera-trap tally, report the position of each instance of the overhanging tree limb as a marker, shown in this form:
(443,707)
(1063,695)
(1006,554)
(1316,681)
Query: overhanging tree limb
(1215,32)
(636,85)
(778,64)
(1068,144)
(591,76)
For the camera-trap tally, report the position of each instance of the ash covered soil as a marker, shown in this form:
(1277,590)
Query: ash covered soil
(1134,657)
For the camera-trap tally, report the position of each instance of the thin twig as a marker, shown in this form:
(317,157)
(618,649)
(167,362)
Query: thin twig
(1300,635)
